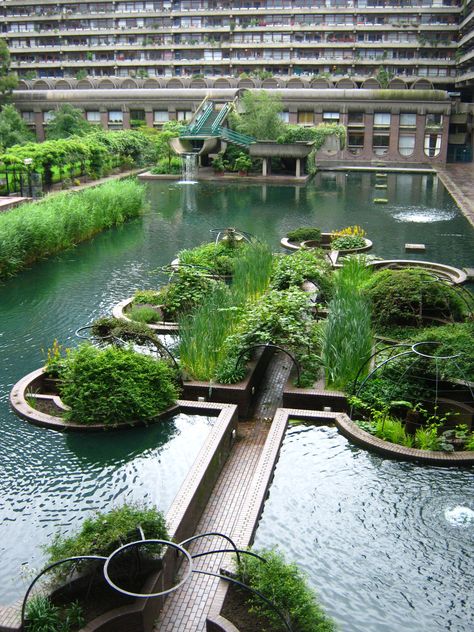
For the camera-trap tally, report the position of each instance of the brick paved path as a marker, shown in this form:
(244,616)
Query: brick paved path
(187,608)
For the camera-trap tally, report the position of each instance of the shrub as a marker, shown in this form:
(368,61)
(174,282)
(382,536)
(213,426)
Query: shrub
(286,587)
(165,166)
(187,289)
(219,258)
(304,233)
(125,330)
(115,385)
(146,315)
(103,533)
(347,242)
(147,297)
(403,297)
(243,163)
(303,265)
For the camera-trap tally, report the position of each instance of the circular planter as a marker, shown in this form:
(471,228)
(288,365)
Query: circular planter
(41,386)
(450,273)
(120,311)
(325,244)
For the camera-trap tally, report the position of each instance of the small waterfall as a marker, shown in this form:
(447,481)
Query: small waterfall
(189,168)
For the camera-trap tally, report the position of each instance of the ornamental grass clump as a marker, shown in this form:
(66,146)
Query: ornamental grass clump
(203,334)
(115,385)
(285,585)
(347,333)
(37,230)
(252,272)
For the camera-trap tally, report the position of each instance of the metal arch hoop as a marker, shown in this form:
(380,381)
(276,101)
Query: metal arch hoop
(48,568)
(432,357)
(173,545)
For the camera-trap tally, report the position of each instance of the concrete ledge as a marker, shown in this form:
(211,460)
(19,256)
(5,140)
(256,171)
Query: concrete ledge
(455,275)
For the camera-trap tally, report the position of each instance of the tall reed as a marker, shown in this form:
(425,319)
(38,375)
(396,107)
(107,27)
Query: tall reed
(347,334)
(203,334)
(252,272)
(37,230)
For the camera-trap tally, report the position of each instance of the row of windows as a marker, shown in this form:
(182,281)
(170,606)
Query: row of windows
(406,144)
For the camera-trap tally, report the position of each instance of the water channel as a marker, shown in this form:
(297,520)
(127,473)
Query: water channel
(50,481)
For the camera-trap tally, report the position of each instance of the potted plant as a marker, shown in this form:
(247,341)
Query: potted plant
(243,164)
(218,165)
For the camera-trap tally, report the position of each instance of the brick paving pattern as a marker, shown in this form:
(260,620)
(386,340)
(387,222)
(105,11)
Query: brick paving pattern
(187,608)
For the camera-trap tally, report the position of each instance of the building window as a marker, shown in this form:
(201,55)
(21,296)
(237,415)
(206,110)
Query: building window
(380,144)
(432,145)
(407,120)
(48,116)
(332,117)
(160,117)
(355,142)
(434,120)
(406,144)
(284,117)
(115,116)
(184,115)
(382,119)
(28,117)
(93,116)
(355,118)
(305,118)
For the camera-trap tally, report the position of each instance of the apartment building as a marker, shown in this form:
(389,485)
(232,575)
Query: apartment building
(410,39)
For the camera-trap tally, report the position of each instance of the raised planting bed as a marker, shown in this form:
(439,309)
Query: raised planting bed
(315,398)
(450,273)
(324,243)
(161,327)
(241,394)
(35,398)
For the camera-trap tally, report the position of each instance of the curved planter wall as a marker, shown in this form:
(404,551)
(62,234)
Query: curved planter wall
(162,327)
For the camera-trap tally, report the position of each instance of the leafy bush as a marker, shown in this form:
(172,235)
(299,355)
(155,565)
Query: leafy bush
(219,258)
(347,242)
(317,134)
(285,586)
(103,533)
(147,297)
(146,315)
(115,385)
(187,289)
(243,163)
(403,297)
(165,166)
(37,230)
(304,233)
(303,265)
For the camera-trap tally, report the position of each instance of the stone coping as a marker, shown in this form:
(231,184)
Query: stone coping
(351,431)
(208,175)
(162,327)
(455,275)
(35,379)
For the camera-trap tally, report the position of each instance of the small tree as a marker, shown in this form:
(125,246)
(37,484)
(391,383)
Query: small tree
(163,147)
(8,80)
(68,121)
(13,129)
(261,117)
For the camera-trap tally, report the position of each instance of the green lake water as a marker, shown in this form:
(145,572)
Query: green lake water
(50,481)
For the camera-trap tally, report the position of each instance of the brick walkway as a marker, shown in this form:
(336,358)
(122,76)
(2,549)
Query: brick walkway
(458,178)
(187,608)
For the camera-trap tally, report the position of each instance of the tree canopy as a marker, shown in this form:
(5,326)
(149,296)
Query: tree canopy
(8,80)
(13,129)
(68,121)
(261,116)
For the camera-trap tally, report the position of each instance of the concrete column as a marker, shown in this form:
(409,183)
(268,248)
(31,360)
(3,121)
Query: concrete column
(149,118)
(419,153)
(298,168)
(265,167)
(39,128)
(393,140)
(104,118)
(126,119)
(367,152)
(443,154)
